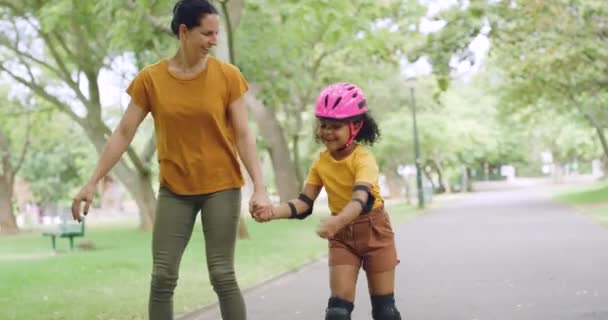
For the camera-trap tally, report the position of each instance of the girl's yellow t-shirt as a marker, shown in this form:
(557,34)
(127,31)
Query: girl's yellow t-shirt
(194,137)
(339,176)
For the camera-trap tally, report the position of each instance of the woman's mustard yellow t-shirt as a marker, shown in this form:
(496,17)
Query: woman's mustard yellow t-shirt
(194,137)
(339,176)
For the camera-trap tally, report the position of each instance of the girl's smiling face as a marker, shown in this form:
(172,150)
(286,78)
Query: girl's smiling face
(333,134)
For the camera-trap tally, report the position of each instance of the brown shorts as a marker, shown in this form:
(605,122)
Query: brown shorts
(367,241)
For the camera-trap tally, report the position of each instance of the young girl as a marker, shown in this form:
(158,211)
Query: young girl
(359,230)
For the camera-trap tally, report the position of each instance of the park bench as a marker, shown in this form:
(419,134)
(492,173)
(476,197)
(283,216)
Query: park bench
(66,230)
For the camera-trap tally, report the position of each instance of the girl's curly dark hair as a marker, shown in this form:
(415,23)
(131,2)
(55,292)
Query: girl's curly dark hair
(369,133)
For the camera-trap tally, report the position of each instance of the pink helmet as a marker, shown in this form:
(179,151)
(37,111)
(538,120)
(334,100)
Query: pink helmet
(340,101)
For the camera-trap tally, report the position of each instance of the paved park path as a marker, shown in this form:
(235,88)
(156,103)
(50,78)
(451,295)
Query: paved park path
(510,254)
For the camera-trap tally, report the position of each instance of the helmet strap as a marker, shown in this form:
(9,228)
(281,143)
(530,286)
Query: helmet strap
(354,128)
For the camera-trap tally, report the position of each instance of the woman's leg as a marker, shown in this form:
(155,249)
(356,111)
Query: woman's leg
(175,216)
(220,216)
(343,284)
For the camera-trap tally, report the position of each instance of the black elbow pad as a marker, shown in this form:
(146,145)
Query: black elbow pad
(303,215)
(306,199)
(310,204)
(371,200)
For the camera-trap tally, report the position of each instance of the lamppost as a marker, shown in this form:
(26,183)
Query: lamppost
(412,84)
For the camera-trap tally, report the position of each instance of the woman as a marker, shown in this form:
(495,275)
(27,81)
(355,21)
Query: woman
(200,125)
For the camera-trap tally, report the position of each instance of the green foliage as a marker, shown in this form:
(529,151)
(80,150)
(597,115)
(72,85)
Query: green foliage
(59,160)
(530,49)
(543,88)
(549,60)
(57,152)
(307,45)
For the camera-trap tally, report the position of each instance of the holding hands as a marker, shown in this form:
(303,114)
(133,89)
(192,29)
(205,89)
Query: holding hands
(327,228)
(260,207)
(262,210)
(263,213)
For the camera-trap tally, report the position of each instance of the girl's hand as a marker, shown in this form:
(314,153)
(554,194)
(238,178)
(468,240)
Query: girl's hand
(263,214)
(328,227)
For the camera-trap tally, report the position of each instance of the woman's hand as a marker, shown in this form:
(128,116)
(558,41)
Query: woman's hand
(85,195)
(259,201)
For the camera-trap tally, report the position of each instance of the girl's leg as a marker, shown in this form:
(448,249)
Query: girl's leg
(173,225)
(381,290)
(380,262)
(343,284)
(343,281)
(220,216)
(381,283)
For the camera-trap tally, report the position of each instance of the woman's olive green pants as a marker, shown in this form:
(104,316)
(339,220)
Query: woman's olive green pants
(175,219)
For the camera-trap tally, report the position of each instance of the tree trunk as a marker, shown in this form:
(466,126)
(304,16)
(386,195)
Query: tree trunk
(246,192)
(394,182)
(603,142)
(8,224)
(141,190)
(486,171)
(558,172)
(408,190)
(435,164)
(469,180)
(466,185)
(286,178)
(430,179)
(138,184)
(443,187)
(296,159)
(231,14)
(243,233)
(270,128)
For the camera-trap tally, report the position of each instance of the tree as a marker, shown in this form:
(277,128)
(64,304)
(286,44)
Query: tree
(305,46)
(231,11)
(545,50)
(282,90)
(14,144)
(54,169)
(545,69)
(57,50)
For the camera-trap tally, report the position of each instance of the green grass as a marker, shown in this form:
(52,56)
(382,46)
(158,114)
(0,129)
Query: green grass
(596,194)
(591,201)
(601,215)
(111,282)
